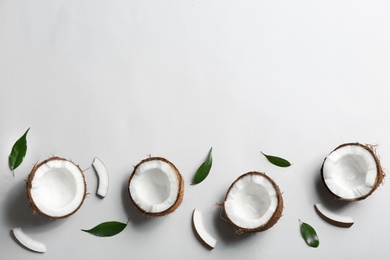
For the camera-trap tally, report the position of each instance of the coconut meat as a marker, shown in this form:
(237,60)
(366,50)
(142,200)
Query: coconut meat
(102,174)
(57,188)
(197,220)
(251,202)
(333,218)
(154,186)
(350,171)
(28,242)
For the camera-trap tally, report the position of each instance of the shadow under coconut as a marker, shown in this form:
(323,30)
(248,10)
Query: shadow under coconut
(326,197)
(18,212)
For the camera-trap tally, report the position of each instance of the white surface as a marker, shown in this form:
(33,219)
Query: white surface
(124,79)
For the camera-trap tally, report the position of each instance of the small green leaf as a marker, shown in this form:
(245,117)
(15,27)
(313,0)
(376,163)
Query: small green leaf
(18,152)
(107,229)
(309,234)
(277,160)
(203,169)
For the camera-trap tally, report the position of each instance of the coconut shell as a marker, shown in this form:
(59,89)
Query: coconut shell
(29,184)
(379,176)
(180,193)
(275,217)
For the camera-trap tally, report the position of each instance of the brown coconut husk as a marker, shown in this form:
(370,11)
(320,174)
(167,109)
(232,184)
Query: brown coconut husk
(379,176)
(29,184)
(180,193)
(275,217)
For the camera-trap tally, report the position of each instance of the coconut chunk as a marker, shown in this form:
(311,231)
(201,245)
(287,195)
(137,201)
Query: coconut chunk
(253,203)
(156,186)
(333,218)
(56,188)
(28,242)
(102,174)
(352,171)
(205,236)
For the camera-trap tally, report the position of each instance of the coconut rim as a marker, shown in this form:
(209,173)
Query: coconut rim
(380,174)
(30,178)
(272,220)
(180,192)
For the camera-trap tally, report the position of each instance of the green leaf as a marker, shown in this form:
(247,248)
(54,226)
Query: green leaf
(18,152)
(277,160)
(203,169)
(309,234)
(107,229)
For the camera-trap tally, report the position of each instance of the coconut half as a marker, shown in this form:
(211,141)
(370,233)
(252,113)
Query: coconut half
(253,203)
(352,171)
(156,187)
(56,188)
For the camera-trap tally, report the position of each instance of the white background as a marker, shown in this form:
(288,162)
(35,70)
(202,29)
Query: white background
(122,79)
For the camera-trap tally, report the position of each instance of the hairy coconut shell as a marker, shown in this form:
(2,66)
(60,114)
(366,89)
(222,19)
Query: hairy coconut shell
(180,193)
(379,176)
(276,215)
(29,185)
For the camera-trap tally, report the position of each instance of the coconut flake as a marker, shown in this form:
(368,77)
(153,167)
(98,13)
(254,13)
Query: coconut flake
(333,218)
(197,220)
(28,242)
(102,174)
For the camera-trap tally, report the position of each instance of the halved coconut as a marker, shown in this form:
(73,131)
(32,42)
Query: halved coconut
(352,171)
(56,188)
(156,187)
(253,203)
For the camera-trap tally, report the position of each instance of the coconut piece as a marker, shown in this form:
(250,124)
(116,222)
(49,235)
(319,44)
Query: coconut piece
(352,171)
(28,242)
(56,188)
(253,203)
(156,187)
(197,221)
(333,218)
(102,174)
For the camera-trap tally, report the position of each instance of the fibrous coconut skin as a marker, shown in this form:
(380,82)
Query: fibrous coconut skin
(275,215)
(371,187)
(30,186)
(180,187)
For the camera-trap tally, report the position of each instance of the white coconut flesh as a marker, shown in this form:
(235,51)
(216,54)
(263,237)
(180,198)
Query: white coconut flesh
(251,201)
(154,186)
(28,242)
(350,171)
(333,218)
(102,174)
(57,188)
(197,220)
